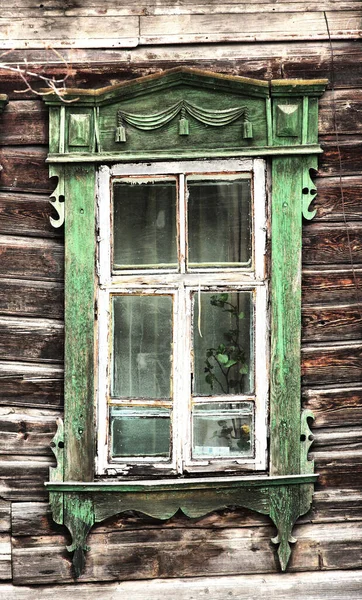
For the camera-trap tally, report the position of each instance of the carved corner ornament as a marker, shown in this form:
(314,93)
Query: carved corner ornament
(57,197)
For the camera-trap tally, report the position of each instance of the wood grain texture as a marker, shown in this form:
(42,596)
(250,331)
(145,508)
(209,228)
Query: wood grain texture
(334,284)
(332,204)
(31,384)
(22,478)
(23,123)
(332,244)
(27,432)
(43,299)
(327,323)
(31,259)
(27,215)
(248,27)
(35,340)
(24,170)
(5,557)
(316,585)
(180,553)
(332,364)
(334,406)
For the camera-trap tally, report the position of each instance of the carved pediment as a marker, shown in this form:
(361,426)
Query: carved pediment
(186,112)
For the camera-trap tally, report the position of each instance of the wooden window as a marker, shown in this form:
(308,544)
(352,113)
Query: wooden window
(182,317)
(166,341)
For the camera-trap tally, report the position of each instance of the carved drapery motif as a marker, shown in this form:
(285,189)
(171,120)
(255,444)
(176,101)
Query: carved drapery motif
(214,118)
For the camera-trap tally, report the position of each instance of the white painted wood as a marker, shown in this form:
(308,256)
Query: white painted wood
(182,285)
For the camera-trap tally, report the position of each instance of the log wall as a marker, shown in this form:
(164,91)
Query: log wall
(110,42)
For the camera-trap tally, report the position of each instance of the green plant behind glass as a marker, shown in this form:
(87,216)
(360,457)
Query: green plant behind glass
(226,365)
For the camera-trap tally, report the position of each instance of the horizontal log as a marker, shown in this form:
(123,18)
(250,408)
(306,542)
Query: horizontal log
(22,478)
(37,32)
(334,406)
(342,108)
(316,585)
(178,29)
(31,258)
(32,298)
(332,243)
(29,432)
(338,470)
(335,284)
(97,67)
(31,385)
(173,553)
(327,323)
(25,123)
(24,170)
(332,364)
(36,340)
(5,557)
(110,8)
(5,510)
(344,158)
(338,198)
(28,215)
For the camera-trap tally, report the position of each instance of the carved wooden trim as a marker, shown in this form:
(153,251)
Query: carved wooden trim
(269,128)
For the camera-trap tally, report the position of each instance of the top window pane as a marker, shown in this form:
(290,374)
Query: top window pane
(144,224)
(219,222)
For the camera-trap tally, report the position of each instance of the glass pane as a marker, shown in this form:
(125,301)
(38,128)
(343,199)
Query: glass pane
(142,345)
(141,432)
(219,222)
(223,430)
(223,343)
(144,223)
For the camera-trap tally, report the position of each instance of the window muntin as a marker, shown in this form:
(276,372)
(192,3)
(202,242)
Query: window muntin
(189,413)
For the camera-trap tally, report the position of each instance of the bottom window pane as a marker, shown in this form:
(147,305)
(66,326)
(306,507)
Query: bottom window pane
(140,432)
(223,430)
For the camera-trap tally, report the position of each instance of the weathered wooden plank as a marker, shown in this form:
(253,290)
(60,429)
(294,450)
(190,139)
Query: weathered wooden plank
(5,557)
(24,122)
(31,385)
(27,214)
(333,364)
(334,406)
(317,585)
(335,505)
(171,553)
(29,432)
(339,469)
(347,107)
(327,323)
(36,340)
(24,169)
(31,258)
(332,285)
(5,509)
(95,68)
(250,27)
(22,478)
(61,32)
(32,298)
(110,8)
(331,243)
(328,201)
(350,153)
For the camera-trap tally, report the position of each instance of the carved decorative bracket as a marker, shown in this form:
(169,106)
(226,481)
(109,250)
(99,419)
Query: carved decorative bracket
(309,191)
(57,198)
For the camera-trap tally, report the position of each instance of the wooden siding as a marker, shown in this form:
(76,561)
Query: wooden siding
(228,38)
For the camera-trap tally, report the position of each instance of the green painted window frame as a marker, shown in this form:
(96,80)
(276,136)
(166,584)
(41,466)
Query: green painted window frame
(276,121)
